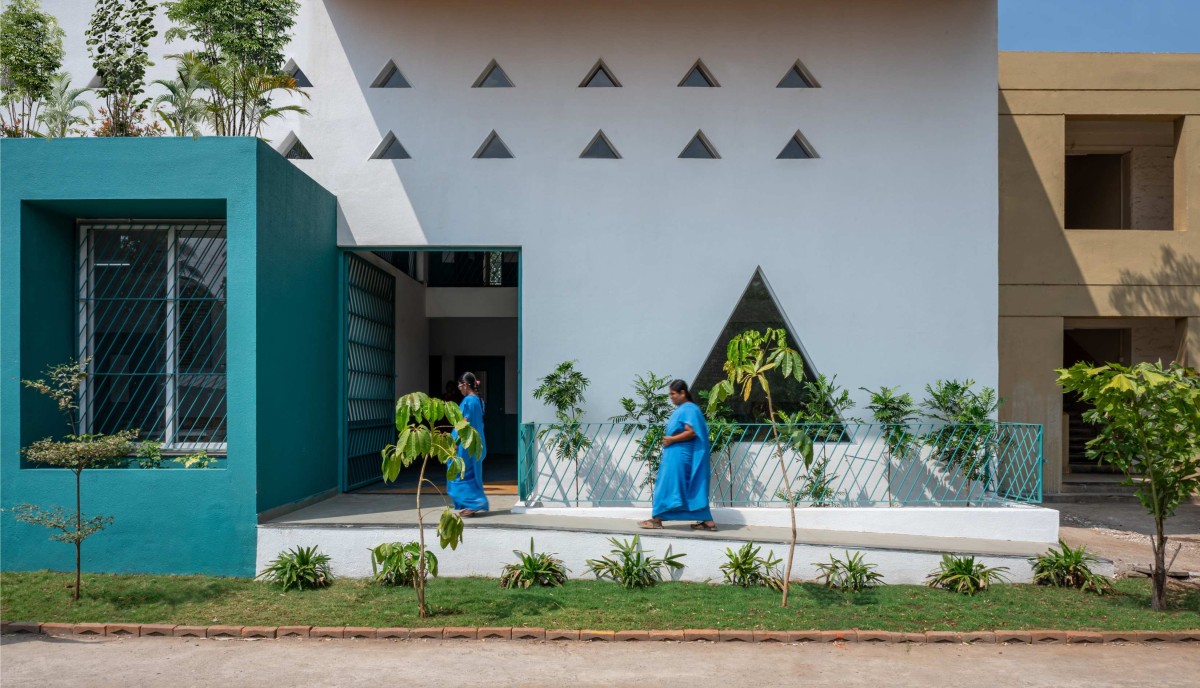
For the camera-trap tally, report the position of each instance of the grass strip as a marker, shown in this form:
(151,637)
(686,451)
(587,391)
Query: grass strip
(200,600)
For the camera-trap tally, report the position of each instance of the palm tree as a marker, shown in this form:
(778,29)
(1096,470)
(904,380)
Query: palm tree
(188,110)
(242,94)
(58,110)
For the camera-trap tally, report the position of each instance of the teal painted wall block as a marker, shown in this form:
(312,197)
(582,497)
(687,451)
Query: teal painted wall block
(298,327)
(167,521)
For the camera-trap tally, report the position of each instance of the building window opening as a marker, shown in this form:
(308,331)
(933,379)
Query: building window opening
(152,319)
(1119,174)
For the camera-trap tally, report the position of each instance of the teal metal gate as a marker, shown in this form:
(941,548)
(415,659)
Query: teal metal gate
(370,332)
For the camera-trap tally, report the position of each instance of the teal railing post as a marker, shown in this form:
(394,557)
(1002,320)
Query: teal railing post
(526,461)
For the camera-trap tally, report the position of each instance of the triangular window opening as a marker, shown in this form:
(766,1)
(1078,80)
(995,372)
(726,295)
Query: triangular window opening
(293,70)
(757,309)
(296,150)
(96,82)
(797,148)
(798,77)
(699,147)
(600,77)
(390,149)
(600,148)
(493,77)
(390,77)
(493,147)
(699,76)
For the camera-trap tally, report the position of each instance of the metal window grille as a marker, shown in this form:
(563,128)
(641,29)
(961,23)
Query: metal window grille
(152,319)
(370,370)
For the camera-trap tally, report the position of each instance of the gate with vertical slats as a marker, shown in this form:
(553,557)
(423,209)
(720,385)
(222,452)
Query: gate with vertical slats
(370,369)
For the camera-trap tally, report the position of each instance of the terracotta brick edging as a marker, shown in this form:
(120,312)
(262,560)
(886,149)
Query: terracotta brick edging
(1046,637)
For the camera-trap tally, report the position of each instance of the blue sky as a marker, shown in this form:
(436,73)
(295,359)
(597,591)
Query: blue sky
(1153,26)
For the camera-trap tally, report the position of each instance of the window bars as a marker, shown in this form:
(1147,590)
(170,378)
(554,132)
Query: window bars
(151,309)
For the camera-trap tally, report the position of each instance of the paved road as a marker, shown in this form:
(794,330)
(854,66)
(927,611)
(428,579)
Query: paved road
(39,661)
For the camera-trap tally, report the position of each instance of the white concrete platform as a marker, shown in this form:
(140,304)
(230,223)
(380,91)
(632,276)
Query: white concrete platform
(347,525)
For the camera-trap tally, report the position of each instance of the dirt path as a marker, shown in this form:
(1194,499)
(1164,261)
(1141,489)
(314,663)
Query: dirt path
(40,661)
(1121,532)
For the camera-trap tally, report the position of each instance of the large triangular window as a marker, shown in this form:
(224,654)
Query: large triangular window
(293,70)
(390,77)
(798,77)
(493,77)
(797,148)
(293,149)
(493,147)
(699,147)
(600,148)
(390,149)
(757,309)
(699,76)
(600,77)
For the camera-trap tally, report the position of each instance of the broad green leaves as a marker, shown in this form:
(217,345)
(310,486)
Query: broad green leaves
(1148,419)
(420,420)
(450,529)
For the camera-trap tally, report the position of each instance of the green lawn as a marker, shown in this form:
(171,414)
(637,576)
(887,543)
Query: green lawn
(198,600)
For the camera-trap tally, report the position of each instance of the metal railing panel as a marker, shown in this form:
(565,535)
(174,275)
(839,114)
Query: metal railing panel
(854,464)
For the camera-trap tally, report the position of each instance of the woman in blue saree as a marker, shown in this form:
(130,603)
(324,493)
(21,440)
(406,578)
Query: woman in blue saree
(681,488)
(467,489)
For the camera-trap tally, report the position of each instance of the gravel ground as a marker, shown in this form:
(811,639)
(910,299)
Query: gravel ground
(37,661)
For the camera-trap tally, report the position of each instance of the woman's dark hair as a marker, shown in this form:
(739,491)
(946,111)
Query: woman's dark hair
(470,381)
(678,386)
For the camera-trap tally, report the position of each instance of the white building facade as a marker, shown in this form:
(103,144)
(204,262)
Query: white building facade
(881,249)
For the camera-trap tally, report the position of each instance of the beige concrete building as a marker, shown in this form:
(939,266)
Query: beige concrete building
(1099,228)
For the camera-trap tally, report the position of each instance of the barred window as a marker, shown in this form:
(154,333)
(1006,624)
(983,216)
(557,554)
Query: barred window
(152,319)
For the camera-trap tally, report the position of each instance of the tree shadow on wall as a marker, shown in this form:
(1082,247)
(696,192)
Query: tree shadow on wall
(1172,289)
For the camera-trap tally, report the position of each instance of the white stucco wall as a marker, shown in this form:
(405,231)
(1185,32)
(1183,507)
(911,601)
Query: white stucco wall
(882,252)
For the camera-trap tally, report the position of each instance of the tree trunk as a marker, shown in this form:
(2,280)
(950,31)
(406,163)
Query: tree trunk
(787,488)
(78,540)
(1158,574)
(420,582)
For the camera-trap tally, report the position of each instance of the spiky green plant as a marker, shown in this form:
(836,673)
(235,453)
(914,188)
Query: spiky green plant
(631,567)
(964,575)
(534,568)
(302,568)
(1069,567)
(852,574)
(746,568)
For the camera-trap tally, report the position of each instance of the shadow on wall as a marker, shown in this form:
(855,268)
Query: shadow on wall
(1173,288)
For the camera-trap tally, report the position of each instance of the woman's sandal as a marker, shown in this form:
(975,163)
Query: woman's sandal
(704,526)
(468,513)
(650,524)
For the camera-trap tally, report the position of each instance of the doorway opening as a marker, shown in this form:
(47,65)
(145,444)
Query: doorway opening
(1095,347)
(415,319)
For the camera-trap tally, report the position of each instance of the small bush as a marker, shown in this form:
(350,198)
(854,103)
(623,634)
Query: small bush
(534,568)
(1069,568)
(632,567)
(747,569)
(964,575)
(396,563)
(300,568)
(852,574)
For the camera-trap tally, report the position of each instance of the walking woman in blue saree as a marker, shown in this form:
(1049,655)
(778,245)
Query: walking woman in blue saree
(681,488)
(467,489)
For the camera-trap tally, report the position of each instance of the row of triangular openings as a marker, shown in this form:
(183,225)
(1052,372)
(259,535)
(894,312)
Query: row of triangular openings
(599,148)
(600,76)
